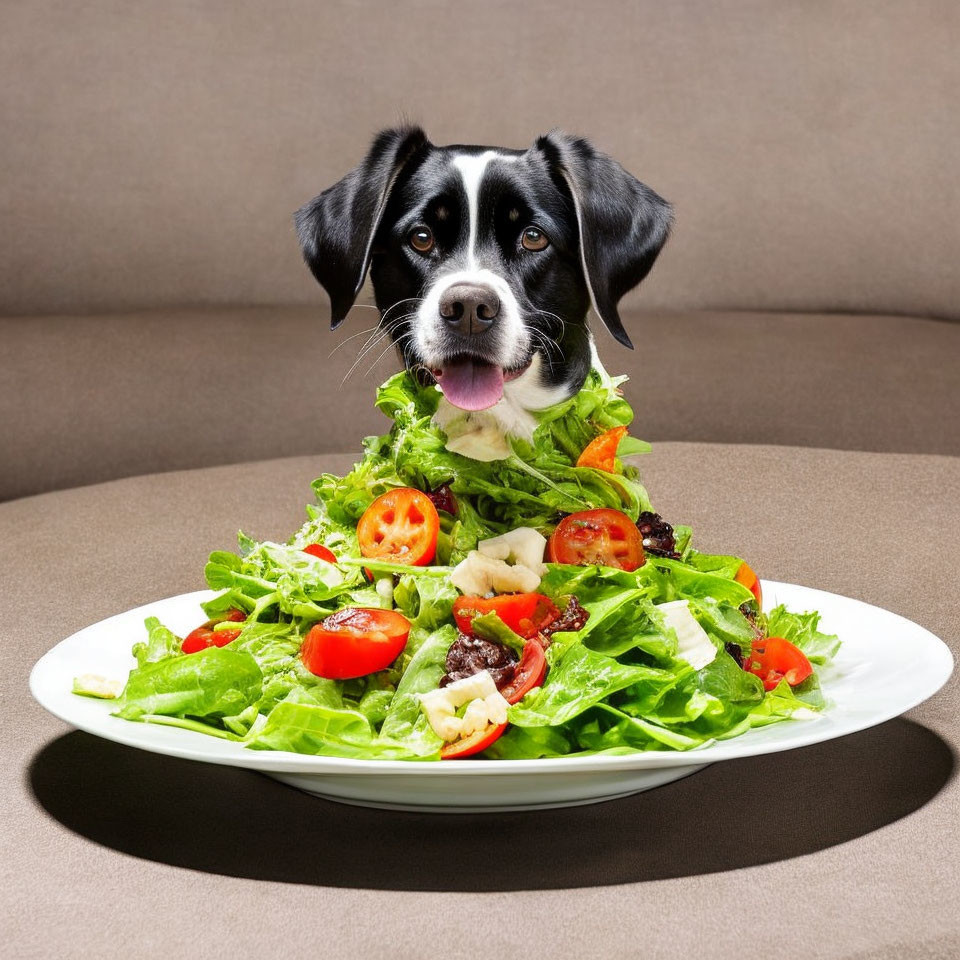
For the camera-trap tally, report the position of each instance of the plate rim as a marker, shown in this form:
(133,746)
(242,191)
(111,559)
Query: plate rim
(282,761)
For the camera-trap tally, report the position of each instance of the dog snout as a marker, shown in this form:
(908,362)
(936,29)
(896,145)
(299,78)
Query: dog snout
(469,308)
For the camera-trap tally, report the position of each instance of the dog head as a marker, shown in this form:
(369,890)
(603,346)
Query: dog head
(485,261)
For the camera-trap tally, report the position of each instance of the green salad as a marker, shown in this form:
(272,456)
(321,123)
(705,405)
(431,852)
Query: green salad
(461,594)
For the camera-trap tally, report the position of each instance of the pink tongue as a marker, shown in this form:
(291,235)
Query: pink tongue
(470,385)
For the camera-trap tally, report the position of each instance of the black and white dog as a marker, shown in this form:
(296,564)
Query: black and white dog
(485,261)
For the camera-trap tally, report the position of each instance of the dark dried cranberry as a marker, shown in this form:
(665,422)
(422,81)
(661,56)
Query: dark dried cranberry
(734,650)
(572,619)
(470,655)
(443,499)
(657,534)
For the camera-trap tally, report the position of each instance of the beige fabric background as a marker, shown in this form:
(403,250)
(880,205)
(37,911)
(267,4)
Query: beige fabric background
(153,152)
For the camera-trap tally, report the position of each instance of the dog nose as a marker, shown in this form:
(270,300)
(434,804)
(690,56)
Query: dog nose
(469,308)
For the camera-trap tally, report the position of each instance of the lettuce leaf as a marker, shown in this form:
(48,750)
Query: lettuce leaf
(610,727)
(302,723)
(160,643)
(719,564)
(405,721)
(213,683)
(674,579)
(724,622)
(802,629)
(491,627)
(426,601)
(578,679)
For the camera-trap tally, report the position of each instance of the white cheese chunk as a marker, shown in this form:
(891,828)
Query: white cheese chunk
(93,685)
(478,439)
(497,706)
(523,546)
(510,563)
(469,688)
(477,575)
(474,717)
(485,705)
(385,591)
(693,643)
(479,435)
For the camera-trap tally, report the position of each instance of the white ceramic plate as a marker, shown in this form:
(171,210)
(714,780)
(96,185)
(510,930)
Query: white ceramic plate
(887,665)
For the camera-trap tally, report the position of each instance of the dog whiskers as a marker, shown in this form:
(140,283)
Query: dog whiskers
(386,329)
(353,337)
(393,306)
(370,369)
(378,335)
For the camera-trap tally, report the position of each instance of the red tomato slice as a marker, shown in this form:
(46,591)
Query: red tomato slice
(354,642)
(233,614)
(524,613)
(319,551)
(606,537)
(774,659)
(468,746)
(531,672)
(205,636)
(400,526)
(749,579)
(601,453)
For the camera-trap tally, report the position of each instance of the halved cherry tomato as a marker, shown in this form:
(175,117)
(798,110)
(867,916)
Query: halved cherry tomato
(749,579)
(468,746)
(601,453)
(400,526)
(354,642)
(205,636)
(774,659)
(524,613)
(233,615)
(604,536)
(531,672)
(319,551)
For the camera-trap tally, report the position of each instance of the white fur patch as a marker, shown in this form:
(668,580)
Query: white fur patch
(481,434)
(527,393)
(513,339)
(472,167)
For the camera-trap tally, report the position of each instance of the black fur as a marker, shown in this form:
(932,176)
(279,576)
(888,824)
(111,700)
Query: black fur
(623,223)
(335,229)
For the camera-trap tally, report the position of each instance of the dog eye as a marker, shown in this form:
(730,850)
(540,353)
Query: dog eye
(533,238)
(421,239)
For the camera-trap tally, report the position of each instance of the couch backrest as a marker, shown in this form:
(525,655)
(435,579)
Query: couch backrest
(153,152)
(85,399)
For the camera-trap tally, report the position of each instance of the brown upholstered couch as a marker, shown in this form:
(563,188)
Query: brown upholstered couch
(156,314)
(798,355)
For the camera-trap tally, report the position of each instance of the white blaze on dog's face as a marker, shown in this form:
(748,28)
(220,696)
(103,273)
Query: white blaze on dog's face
(485,261)
(468,292)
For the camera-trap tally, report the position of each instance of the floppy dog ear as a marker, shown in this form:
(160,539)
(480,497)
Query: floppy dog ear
(336,229)
(623,224)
